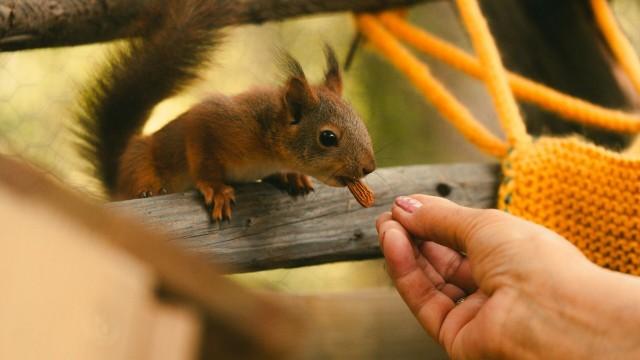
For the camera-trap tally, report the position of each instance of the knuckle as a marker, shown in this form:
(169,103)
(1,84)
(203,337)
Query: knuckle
(492,215)
(389,225)
(481,224)
(422,198)
(385,216)
(486,218)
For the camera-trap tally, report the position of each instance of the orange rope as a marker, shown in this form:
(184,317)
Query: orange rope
(586,193)
(495,75)
(431,88)
(618,43)
(502,85)
(567,106)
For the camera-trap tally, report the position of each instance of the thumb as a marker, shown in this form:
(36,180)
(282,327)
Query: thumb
(461,228)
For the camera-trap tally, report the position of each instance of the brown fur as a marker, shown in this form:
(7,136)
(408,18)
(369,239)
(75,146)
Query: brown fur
(271,133)
(245,138)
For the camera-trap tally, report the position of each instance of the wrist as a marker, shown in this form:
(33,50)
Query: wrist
(618,297)
(602,313)
(584,312)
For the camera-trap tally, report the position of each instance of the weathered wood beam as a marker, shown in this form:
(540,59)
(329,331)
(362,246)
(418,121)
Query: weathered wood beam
(26,24)
(270,229)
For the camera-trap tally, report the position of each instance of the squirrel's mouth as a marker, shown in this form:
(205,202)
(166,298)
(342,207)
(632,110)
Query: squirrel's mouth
(338,180)
(345,180)
(335,181)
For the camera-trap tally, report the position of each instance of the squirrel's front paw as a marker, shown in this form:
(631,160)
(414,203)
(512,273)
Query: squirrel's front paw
(219,198)
(293,183)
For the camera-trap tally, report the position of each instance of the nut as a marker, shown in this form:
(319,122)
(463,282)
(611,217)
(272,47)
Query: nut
(362,193)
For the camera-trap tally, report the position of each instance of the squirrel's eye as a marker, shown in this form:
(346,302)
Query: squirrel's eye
(328,138)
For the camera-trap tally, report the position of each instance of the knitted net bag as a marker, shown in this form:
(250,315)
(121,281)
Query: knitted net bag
(586,193)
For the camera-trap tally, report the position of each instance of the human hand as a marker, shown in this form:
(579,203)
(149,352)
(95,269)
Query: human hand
(527,292)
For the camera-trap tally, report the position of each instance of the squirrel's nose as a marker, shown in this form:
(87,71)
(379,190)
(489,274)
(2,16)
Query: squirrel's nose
(368,164)
(369,168)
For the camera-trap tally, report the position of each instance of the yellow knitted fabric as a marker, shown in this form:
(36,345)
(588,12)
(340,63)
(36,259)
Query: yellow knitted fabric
(586,193)
(583,192)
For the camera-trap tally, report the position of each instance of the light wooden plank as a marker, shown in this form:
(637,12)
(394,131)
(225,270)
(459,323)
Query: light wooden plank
(270,229)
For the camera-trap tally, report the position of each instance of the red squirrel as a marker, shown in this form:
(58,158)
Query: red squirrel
(280,134)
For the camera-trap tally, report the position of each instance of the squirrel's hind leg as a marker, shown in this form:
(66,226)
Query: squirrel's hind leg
(207,175)
(137,175)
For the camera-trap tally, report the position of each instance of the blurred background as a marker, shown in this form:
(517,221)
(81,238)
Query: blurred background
(39,89)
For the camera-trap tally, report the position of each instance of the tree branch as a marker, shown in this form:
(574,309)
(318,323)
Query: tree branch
(270,229)
(27,24)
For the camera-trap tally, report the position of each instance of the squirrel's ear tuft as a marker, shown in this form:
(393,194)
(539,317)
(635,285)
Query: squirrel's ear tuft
(298,94)
(332,77)
(298,97)
(290,65)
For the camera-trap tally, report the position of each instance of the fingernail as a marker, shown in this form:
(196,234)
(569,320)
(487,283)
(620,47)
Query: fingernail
(408,204)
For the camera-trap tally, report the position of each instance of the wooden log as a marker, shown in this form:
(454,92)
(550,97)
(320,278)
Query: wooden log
(270,229)
(26,24)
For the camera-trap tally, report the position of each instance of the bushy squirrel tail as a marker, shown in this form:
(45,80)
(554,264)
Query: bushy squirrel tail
(141,74)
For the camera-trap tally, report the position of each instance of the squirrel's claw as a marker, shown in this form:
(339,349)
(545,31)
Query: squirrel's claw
(145,192)
(305,184)
(222,207)
(219,198)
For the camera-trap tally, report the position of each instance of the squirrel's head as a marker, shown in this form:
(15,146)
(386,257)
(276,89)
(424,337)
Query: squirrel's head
(328,139)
